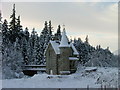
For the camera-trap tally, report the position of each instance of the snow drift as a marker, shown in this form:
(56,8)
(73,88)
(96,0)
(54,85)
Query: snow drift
(81,79)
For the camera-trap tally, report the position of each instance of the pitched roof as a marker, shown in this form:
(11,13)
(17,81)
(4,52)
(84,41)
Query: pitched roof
(64,41)
(55,46)
(74,49)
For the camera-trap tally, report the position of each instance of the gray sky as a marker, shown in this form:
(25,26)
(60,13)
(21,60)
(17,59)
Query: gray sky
(98,20)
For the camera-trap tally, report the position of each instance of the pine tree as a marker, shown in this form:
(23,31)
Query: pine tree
(86,40)
(33,37)
(50,28)
(5,31)
(99,47)
(37,53)
(58,34)
(13,21)
(32,46)
(45,37)
(26,33)
(24,50)
(18,55)
(46,27)
(18,24)
(20,36)
(12,60)
(12,26)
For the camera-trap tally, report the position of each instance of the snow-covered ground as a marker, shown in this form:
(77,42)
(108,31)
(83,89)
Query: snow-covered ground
(80,79)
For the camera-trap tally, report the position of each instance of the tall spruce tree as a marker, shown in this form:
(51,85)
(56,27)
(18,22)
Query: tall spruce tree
(13,20)
(86,40)
(37,51)
(32,45)
(50,28)
(5,31)
(26,33)
(24,50)
(58,34)
(18,24)
(44,39)
(12,26)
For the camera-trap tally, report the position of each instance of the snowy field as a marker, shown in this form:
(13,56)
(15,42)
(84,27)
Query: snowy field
(80,79)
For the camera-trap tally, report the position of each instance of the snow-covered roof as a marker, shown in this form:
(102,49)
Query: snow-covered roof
(73,58)
(64,40)
(55,46)
(74,49)
(63,43)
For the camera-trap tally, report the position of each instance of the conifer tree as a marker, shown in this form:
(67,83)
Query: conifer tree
(46,27)
(18,24)
(86,39)
(58,34)
(12,26)
(33,36)
(24,50)
(44,39)
(50,28)
(5,31)
(26,33)
(38,57)
(13,20)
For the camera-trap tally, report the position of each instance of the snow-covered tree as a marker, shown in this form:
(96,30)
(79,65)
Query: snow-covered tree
(37,53)
(26,33)
(18,24)
(24,50)
(12,26)
(12,60)
(50,28)
(44,39)
(84,49)
(5,31)
(102,58)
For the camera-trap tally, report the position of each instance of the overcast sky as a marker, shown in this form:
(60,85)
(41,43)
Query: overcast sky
(98,20)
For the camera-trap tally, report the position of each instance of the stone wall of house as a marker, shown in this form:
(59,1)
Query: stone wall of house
(56,63)
(51,61)
(63,61)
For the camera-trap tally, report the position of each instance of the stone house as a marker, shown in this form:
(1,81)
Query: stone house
(61,56)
